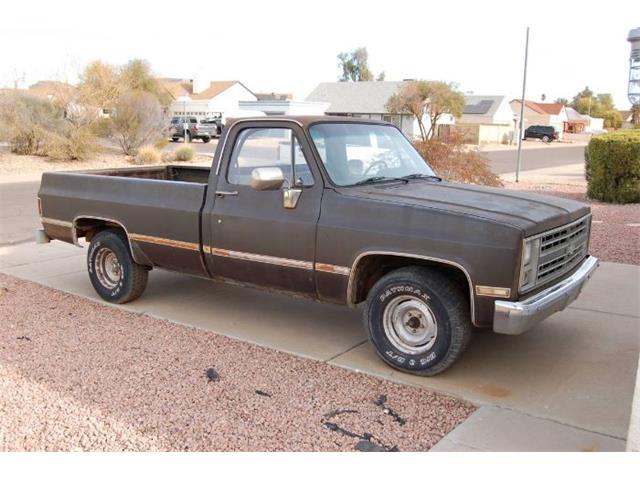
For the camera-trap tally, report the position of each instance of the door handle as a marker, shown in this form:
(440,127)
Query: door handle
(222,193)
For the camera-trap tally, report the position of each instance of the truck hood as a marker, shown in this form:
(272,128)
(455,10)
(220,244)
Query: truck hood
(530,212)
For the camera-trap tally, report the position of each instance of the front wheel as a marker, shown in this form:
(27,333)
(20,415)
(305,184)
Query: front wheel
(112,271)
(546,139)
(206,139)
(418,320)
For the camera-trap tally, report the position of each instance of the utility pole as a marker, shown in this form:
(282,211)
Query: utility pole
(524,87)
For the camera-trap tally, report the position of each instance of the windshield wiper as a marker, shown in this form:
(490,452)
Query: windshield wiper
(422,176)
(381,179)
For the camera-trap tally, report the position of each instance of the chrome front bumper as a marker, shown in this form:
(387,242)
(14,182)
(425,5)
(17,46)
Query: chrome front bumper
(513,318)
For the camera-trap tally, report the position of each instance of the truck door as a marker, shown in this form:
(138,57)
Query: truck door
(266,237)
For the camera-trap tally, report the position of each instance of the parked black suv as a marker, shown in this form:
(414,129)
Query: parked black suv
(545,133)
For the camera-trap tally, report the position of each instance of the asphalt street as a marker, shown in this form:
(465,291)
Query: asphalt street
(19,213)
(504,161)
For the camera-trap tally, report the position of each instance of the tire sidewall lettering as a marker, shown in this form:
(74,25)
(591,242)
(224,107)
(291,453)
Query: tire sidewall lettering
(396,357)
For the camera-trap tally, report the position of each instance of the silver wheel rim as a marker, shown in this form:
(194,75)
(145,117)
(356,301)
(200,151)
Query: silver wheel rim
(410,325)
(108,268)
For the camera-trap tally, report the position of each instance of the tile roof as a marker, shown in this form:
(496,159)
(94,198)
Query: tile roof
(541,108)
(51,89)
(176,87)
(215,89)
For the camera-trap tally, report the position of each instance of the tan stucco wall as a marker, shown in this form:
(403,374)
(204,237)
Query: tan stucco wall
(483,134)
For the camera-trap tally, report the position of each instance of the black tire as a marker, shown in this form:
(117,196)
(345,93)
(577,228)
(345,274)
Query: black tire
(174,139)
(116,284)
(447,311)
(546,139)
(206,139)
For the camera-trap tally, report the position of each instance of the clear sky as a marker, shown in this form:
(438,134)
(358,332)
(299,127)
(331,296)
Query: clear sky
(289,46)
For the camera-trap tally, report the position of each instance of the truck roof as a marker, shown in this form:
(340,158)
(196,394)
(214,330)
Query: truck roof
(306,120)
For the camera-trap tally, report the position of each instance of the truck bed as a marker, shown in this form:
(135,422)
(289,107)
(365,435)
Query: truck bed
(174,173)
(159,207)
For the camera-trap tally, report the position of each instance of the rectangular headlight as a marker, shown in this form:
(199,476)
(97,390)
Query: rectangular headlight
(529,264)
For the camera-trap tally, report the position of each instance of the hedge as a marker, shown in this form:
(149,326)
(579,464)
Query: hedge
(613,167)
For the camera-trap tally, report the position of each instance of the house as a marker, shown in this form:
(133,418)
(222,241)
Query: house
(218,98)
(177,87)
(367,100)
(576,122)
(60,92)
(284,107)
(537,113)
(486,119)
(274,96)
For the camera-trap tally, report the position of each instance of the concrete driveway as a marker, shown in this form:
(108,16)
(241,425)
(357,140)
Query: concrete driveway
(575,371)
(18,211)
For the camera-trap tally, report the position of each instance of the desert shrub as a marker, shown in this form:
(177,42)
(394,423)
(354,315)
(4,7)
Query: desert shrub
(101,127)
(26,121)
(168,157)
(73,143)
(161,143)
(148,155)
(137,119)
(184,154)
(453,161)
(612,164)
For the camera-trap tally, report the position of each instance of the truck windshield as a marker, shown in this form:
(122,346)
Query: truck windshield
(357,153)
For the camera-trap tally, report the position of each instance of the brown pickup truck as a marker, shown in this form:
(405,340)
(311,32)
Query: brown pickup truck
(340,210)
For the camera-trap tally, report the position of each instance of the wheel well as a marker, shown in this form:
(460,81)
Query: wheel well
(89,227)
(373,267)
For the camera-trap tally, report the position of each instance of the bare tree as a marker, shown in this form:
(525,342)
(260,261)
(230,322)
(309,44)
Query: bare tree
(138,119)
(99,85)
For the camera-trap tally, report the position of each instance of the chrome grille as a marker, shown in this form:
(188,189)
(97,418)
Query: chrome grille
(562,249)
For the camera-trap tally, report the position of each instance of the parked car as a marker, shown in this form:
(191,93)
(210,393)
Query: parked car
(545,133)
(195,130)
(217,121)
(340,210)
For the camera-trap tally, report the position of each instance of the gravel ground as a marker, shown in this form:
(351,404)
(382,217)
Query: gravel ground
(79,375)
(615,231)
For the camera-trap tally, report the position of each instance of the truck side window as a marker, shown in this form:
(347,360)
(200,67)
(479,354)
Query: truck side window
(268,147)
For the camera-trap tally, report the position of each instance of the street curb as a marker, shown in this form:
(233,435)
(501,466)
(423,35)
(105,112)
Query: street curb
(633,437)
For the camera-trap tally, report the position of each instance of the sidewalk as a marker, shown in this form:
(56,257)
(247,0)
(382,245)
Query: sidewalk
(566,385)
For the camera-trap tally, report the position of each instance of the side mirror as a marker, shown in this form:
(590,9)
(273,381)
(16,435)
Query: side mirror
(267,178)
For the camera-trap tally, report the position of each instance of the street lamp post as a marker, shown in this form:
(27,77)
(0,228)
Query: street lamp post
(633,91)
(524,88)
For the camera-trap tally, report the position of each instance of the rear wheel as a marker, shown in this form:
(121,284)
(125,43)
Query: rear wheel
(112,271)
(418,320)
(546,139)
(206,139)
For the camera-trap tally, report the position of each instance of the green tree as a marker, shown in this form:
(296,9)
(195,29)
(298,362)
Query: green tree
(136,76)
(432,99)
(355,66)
(562,100)
(612,119)
(599,105)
